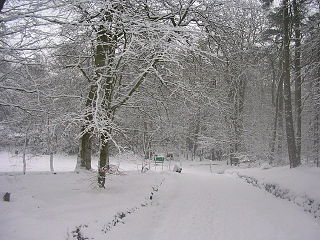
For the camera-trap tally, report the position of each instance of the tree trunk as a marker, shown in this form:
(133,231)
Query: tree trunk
(241,98)
(84,157)
(277,101)
(280,123)
(24,153)
(104,61)
(146,141)
(287,89)
(50,143)
(237,99)
(275,125)
(2,4)
(298,81)
(51,162)
(103,160)
(104,136)
(316,139)
(104,50)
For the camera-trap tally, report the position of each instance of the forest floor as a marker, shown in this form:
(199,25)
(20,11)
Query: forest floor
(224,203)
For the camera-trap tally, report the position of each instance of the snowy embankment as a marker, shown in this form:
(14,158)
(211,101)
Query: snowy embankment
(69,205)
(299,185)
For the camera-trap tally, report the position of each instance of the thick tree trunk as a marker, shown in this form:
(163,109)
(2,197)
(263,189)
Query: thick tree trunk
(316,124)
(316,140)
(237,99)
(277,117)
(277,101)
(2,4)
(103,161)
(280,133)
(104,136)
(287,88)
(104,60)
(84,157)
(101,51)
(298,81)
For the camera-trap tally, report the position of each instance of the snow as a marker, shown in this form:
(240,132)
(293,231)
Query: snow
(13,163)
(302,180)
(199,203)
(62,163)
(49,206)
(203,206)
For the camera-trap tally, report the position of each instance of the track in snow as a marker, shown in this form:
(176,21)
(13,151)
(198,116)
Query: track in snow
(203,206)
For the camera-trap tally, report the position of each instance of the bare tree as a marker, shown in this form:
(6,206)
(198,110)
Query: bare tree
(297,17)
(294,162)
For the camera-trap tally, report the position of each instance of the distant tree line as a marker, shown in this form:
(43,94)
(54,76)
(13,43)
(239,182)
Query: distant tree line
(207,77)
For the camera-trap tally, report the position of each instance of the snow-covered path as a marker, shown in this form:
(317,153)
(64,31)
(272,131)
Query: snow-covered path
(193,205)
(220,207)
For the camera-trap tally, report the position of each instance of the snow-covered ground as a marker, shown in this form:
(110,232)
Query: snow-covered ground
(203,206)
(299,185)
(198,204)
(62,162)
(13,163)
(302,180)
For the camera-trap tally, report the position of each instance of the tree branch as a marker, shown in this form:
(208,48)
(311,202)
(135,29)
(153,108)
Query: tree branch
(20,107)
(139,81)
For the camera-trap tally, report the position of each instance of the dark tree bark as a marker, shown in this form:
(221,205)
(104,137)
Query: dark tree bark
(102,52)
(195,138)
(277,126)
(297,67)
(239,107)
(146,139)
(84,156)
(2,4)
(103,160)
(236,97)
(287,88)
(280,133)
(316,124)
(105,56)
(274,132)
(85,150)
(277,102)
(104,62)
(316,140)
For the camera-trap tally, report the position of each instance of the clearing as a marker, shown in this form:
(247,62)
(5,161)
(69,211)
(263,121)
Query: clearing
(157,205)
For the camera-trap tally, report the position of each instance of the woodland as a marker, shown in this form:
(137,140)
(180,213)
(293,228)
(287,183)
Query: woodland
(199,78)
